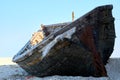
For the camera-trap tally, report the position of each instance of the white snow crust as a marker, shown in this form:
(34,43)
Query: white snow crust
(46,49)
(66,34)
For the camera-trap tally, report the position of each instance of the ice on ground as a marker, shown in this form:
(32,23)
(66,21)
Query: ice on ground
(113,69)
(11,72)
(68,78)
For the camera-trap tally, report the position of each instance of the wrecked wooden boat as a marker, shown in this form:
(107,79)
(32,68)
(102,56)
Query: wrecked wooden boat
(78,48)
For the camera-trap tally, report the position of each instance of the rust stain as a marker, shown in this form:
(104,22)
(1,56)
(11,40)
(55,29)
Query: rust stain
(34,61)
(87,39)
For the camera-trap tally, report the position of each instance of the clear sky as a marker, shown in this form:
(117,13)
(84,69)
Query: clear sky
(20,18)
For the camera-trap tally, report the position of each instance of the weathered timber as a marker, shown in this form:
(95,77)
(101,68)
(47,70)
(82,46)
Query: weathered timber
(80,48)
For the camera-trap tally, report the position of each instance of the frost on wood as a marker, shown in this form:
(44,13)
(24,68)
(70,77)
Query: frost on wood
(46,49)
(67,34)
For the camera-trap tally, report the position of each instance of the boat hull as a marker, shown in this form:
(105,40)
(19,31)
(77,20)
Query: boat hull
(83,54)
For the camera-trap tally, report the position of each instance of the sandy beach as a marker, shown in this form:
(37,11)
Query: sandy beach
(6,61)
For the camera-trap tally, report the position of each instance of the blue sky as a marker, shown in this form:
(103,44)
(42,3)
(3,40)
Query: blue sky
(20,18)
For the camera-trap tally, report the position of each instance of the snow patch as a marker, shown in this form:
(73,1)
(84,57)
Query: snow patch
(113,68)
(22,56)
(66,34)
(68,78)
(11,72)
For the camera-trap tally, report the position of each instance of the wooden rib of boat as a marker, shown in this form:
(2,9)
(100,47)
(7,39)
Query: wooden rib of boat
(78,48)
